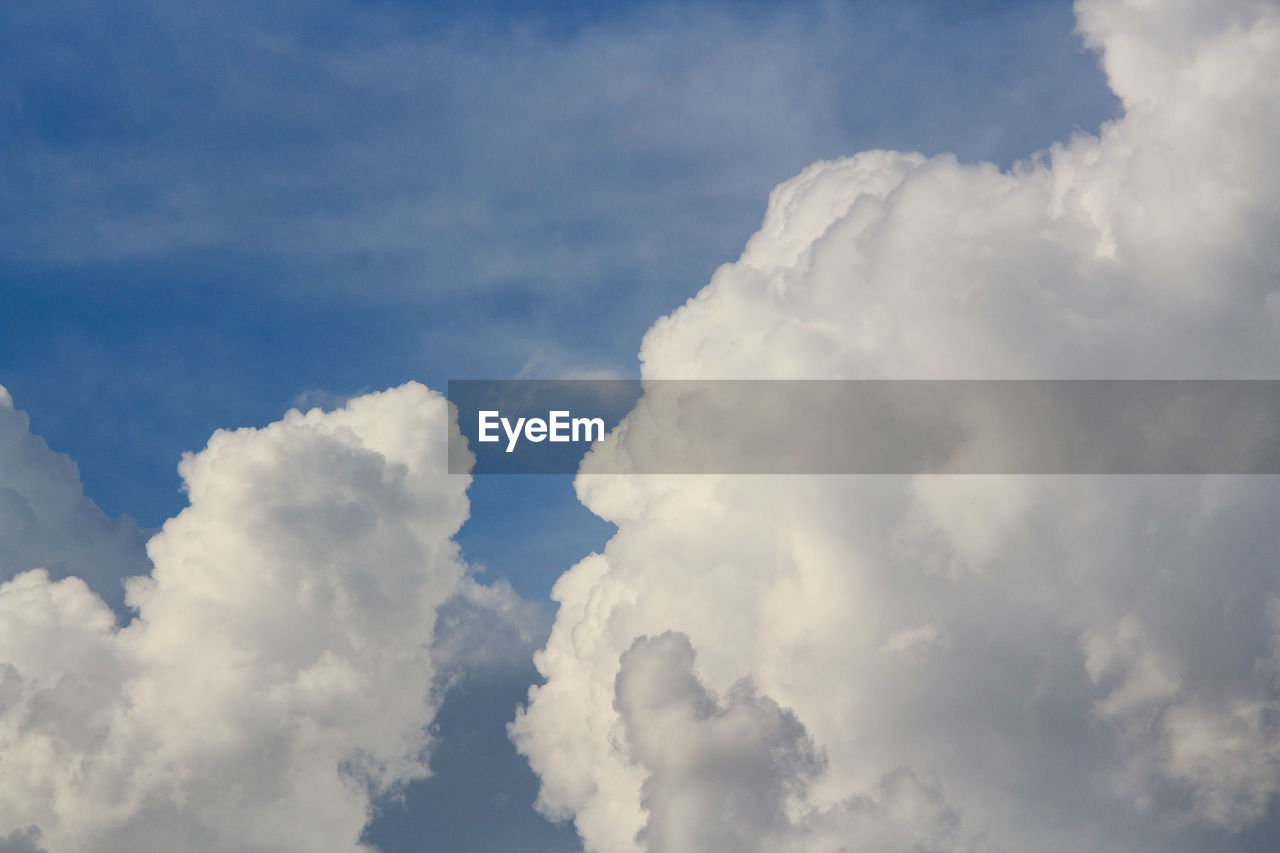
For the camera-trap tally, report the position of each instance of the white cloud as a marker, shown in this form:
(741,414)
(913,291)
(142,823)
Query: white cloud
(279,672)
(1091,660)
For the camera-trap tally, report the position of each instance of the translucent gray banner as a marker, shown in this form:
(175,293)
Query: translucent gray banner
(868,427)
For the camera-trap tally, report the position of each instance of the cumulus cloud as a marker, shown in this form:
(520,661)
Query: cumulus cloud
(46,521)
(278,674)
(1071,663)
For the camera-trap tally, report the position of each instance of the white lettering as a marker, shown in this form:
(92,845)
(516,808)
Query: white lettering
(559,425)
(488,421)
(513,435)
(588,424)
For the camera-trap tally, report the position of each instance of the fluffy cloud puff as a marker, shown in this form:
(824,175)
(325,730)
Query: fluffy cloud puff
(1067,663)
(278,673)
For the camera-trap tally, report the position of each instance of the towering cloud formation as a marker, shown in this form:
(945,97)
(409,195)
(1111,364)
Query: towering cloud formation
(278,673)
(983,663)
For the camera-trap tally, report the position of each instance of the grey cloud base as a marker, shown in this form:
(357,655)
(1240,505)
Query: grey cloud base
(46,520)
(722,774)
(22,841)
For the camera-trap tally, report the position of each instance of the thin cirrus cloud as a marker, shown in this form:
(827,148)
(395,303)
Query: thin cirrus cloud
(957,663)
(471,151)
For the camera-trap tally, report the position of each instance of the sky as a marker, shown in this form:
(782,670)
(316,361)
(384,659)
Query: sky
(214,215)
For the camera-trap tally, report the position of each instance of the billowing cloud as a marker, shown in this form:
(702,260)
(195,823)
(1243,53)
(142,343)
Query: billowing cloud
(278,674)
(1037,663)
(47,522)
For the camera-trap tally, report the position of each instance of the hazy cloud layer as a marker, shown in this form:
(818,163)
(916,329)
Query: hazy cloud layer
(279,672)
(1053,663)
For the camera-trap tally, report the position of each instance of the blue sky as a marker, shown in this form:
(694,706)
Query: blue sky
(214,212)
